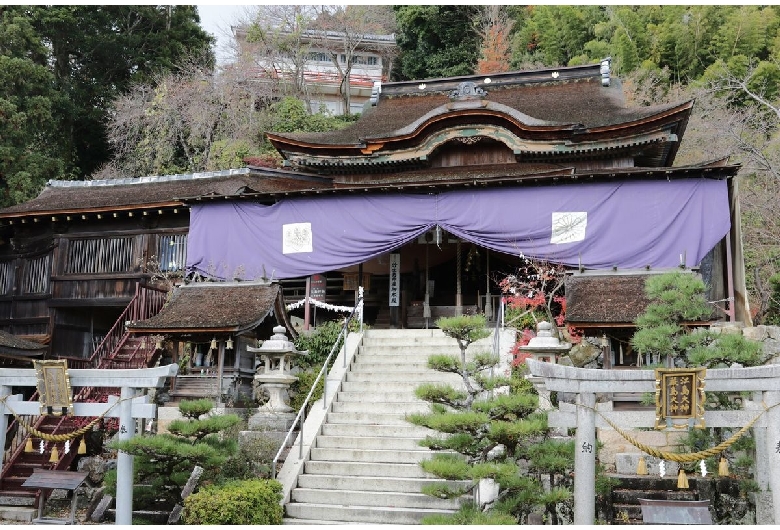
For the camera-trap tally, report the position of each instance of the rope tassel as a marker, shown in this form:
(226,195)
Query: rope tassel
(641,468)
(682,480)
(723,467)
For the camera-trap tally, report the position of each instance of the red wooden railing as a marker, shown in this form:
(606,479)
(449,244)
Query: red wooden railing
(146,303)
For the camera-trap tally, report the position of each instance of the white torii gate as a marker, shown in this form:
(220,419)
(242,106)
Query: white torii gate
(128,410)
(762,381)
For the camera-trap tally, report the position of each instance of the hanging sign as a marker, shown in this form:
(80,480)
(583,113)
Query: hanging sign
(318,287)
(395,279)
(55,395)
(679,397)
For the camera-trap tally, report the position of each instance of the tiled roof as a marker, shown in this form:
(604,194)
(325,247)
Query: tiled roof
(605,299)
(171,190)
(12,344)
(215,307)
(579,101)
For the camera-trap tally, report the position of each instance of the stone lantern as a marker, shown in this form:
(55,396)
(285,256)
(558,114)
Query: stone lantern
(544,347)
(274,363)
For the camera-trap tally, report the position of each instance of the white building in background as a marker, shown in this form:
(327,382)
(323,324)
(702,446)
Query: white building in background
(372,61)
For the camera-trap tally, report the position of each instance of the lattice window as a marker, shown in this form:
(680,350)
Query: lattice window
(172,252)
(6,277)
(95,256)
(35,275)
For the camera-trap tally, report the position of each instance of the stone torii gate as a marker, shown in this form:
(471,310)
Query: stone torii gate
(762,381)
(128,410)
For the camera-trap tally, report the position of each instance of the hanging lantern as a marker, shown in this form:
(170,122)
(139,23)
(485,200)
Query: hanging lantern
(55,455)
(641,468)
(82,450)
(28,448)
(229,344)
(214,343)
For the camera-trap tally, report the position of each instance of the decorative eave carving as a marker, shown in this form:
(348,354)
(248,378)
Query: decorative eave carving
(468,90)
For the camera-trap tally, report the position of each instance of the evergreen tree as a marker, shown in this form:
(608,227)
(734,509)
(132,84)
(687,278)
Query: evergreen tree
(491,429)
(164,462)
(670,328)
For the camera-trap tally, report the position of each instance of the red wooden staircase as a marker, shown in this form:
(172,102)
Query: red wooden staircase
(118,349)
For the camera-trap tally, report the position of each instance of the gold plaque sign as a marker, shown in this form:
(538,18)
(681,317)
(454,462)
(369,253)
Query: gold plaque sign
(679,397)
(54,389)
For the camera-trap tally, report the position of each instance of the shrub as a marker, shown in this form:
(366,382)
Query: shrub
(241,502)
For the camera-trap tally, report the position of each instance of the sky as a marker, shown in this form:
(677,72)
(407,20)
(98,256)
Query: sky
(217,19)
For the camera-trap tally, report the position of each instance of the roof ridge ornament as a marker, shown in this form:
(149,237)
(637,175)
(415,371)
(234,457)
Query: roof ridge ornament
(468,90)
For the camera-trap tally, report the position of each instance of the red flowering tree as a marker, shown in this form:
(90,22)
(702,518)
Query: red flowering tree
(532,294)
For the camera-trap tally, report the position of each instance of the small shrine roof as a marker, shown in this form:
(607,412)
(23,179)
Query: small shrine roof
(16,345)
(605,299)
(214,307)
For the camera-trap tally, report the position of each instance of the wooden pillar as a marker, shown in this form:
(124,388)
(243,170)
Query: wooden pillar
(220,370)
(306,310)
(585,460)
(458,292)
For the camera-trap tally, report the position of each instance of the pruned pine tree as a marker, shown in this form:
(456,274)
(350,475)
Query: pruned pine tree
(490,428)
(164,462)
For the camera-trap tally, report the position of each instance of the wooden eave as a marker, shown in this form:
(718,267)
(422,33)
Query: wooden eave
(107,212)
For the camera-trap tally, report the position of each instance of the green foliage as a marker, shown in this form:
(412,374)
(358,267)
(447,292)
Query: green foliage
(192,409)
(491,435)
(319,343)
(164,462)
(464,328)
(80,58)
(470,515)
(677,299)
(290,115)
(245,502)
(435,41)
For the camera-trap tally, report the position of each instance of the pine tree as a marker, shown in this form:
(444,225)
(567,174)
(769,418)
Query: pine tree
(164,462)
(490,429)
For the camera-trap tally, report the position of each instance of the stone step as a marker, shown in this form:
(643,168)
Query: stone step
(378,456)
(372,498)
(403,431)
(391,407)
(411,350)
(377,397)
(367,418)
(20,514)
(380,484)
(388,364)
(365,469)
(368,442)
(360,514)
(385,386)
(403,377)
(400,359)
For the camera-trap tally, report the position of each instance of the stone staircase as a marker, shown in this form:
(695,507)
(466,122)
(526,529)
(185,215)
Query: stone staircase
(364,462)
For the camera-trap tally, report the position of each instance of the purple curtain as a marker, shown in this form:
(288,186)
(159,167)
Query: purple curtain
(627,225)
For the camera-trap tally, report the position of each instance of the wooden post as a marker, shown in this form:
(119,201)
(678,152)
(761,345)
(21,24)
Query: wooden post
(306,310)
(458,292)
(220,370)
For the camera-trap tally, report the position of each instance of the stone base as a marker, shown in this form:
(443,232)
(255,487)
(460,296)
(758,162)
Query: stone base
(271,421)
(765,513)
(245,438)
(626,464)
